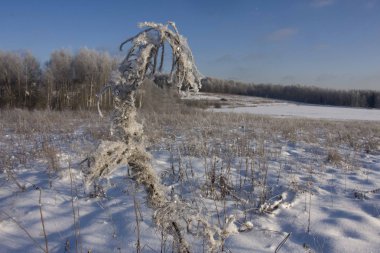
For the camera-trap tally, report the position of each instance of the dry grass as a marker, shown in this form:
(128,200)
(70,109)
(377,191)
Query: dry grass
(334,157)
(329,134)
(222,141)
(166,119)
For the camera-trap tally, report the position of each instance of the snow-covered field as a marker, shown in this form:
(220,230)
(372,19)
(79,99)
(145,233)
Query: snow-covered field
(290,185)
(283,109)
(308,111)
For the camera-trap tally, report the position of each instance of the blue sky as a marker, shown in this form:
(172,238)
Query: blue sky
(326,43)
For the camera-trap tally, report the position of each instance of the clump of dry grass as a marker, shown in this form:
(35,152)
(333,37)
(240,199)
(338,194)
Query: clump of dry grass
(334,157)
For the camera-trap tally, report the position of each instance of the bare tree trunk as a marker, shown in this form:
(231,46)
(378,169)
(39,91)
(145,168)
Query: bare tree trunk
(91,92)
(26,86)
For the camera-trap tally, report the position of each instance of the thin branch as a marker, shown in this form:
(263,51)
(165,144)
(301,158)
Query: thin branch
(138,245)
(105,88)
(134,37)
(76,228)
(282,243)
(162,57)
(155,60)
(10,174)
(174,27)
(26,231)
(42,221)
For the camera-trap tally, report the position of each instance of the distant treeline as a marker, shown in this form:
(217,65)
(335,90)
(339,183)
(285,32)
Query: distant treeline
(71,81)
(65,81)
(296,93)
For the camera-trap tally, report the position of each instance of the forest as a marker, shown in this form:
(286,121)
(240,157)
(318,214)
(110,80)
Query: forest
(296,93)
(65,81)
(71,81)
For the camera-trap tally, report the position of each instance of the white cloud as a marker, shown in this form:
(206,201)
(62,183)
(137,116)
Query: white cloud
(282,34)
(322,3)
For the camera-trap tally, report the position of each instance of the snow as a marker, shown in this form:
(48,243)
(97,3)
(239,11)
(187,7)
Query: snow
(284,109)
(307,111)
(342,200)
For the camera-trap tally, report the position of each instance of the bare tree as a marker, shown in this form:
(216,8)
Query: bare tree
(91,70)
(84,65)
(19,75)
(10,78)
(48,81)
(31,75)
(105,65)
(60,72)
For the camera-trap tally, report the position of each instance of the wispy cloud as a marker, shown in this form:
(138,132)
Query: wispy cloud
(254,57)
(288,79)
(260,57)
(371,4)
(321,46)
(282,34)
(322,3)
(325,77)
(226,58)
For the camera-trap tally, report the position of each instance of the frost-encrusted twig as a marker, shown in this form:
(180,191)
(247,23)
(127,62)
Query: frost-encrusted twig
(271,205)
(144,54)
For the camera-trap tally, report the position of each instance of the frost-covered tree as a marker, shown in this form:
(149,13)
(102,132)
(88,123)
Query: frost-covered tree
(145,60)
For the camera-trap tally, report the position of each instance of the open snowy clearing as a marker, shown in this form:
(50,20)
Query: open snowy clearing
(315,186)
(308,111)
(283,109)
